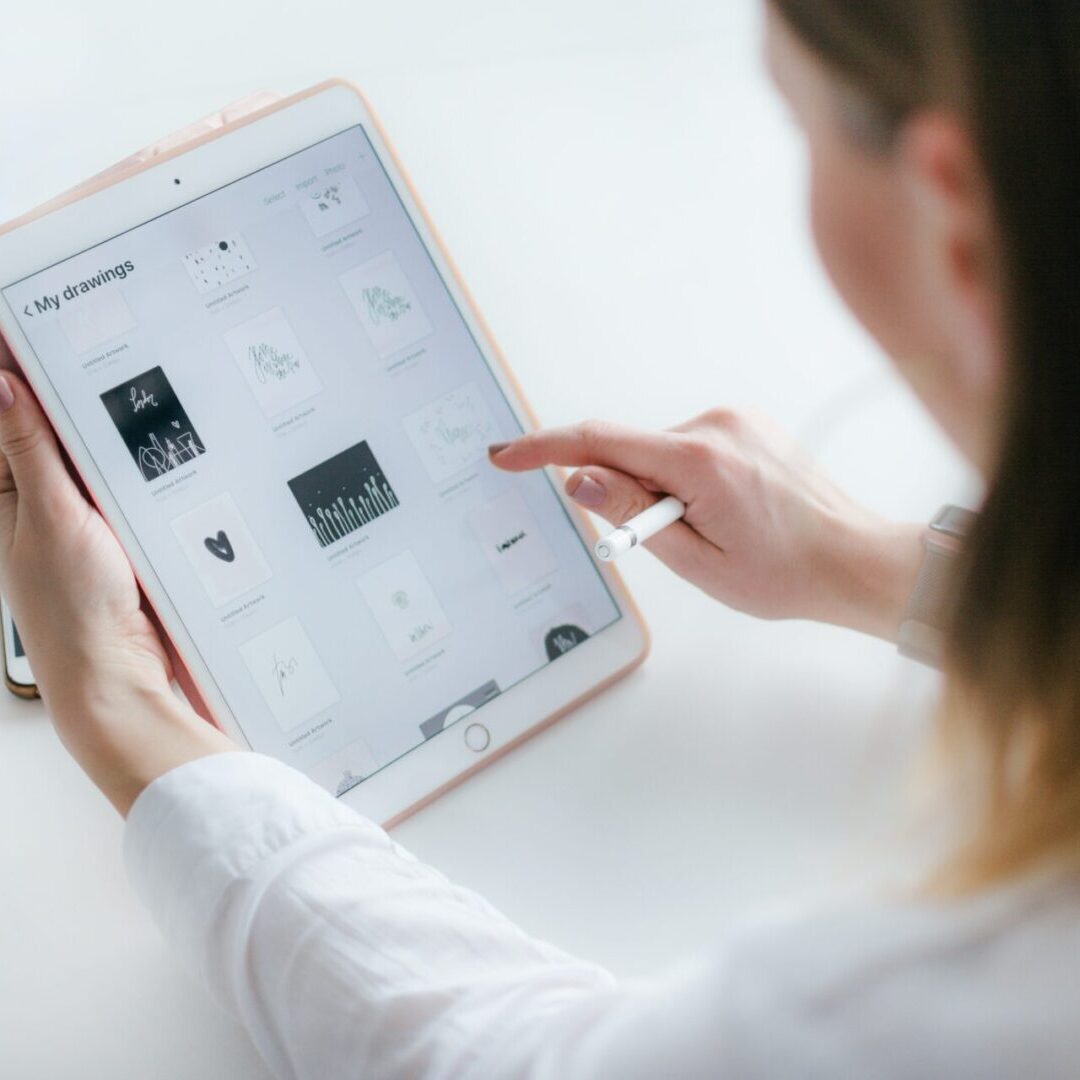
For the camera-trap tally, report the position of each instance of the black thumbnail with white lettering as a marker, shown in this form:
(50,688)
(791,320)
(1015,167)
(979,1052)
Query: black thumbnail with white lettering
(152,422)
(343,494)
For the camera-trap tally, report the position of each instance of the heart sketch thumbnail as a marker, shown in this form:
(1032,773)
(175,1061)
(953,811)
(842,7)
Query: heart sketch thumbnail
(219,546)
(221,549)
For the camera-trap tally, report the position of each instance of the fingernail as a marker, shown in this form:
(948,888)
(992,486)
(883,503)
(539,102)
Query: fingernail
(7,395)
(497,448)
(588,493)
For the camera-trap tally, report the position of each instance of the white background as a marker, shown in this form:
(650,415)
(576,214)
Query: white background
(623,193)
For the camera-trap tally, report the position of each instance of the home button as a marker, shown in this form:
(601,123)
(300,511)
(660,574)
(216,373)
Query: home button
(477,737)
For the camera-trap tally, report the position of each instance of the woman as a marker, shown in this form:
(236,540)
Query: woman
(942,136)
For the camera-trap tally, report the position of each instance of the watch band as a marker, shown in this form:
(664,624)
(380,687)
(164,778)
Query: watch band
(922,632)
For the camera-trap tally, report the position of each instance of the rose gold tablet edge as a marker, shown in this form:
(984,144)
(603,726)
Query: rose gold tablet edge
(183,675)
(181,672)
(110,178)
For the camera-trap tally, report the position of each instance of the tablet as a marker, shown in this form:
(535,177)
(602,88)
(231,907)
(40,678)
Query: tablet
(274,385)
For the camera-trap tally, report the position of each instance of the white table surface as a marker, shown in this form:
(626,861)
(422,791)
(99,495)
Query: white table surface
(620,188)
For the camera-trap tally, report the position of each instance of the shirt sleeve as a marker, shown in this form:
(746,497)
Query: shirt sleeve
(345,956)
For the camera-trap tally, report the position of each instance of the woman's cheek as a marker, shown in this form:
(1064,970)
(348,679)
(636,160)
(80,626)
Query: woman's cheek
(858,229)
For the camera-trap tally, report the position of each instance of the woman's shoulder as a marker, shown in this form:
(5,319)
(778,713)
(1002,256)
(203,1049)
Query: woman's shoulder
(908,987)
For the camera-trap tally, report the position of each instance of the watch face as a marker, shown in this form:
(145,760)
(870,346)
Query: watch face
(954,521)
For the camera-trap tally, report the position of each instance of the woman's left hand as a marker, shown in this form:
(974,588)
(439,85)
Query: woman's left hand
(98,661)
(69,584)
(67,579)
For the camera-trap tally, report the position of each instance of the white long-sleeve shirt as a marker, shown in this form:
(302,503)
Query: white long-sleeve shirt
(346,957)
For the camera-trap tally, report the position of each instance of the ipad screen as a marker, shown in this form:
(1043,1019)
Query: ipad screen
(293,416)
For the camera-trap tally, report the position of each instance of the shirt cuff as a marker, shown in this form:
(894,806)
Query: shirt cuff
(205,829)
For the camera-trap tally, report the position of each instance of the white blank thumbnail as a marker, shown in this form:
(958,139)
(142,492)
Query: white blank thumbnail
(332,204)
(93,320)
(385,304)
(221,549)
(272,361)
(512,541)
(452,431)
(289,674)
(404,605)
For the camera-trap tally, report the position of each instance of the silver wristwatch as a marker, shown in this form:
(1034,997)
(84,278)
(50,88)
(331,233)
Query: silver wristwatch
(922,633)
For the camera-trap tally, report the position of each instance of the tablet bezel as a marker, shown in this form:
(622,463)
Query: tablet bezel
(111,206)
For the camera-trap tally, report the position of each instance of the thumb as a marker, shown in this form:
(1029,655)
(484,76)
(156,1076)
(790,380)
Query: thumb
(611,494)
(616,498)
(30,461)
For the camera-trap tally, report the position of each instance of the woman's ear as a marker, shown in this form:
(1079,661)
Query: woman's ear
(956,245)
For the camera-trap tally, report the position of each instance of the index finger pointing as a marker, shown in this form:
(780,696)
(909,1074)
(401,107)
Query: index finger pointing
(643,454)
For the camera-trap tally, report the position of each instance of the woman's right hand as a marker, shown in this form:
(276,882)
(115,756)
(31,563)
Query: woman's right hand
(765,531)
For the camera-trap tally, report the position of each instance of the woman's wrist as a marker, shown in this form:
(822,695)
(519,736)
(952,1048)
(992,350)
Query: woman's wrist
(876,564)
(125,733)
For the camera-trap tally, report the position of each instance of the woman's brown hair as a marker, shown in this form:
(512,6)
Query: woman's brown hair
(1012,70)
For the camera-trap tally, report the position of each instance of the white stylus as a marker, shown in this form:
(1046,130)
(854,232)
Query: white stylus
(640,528)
